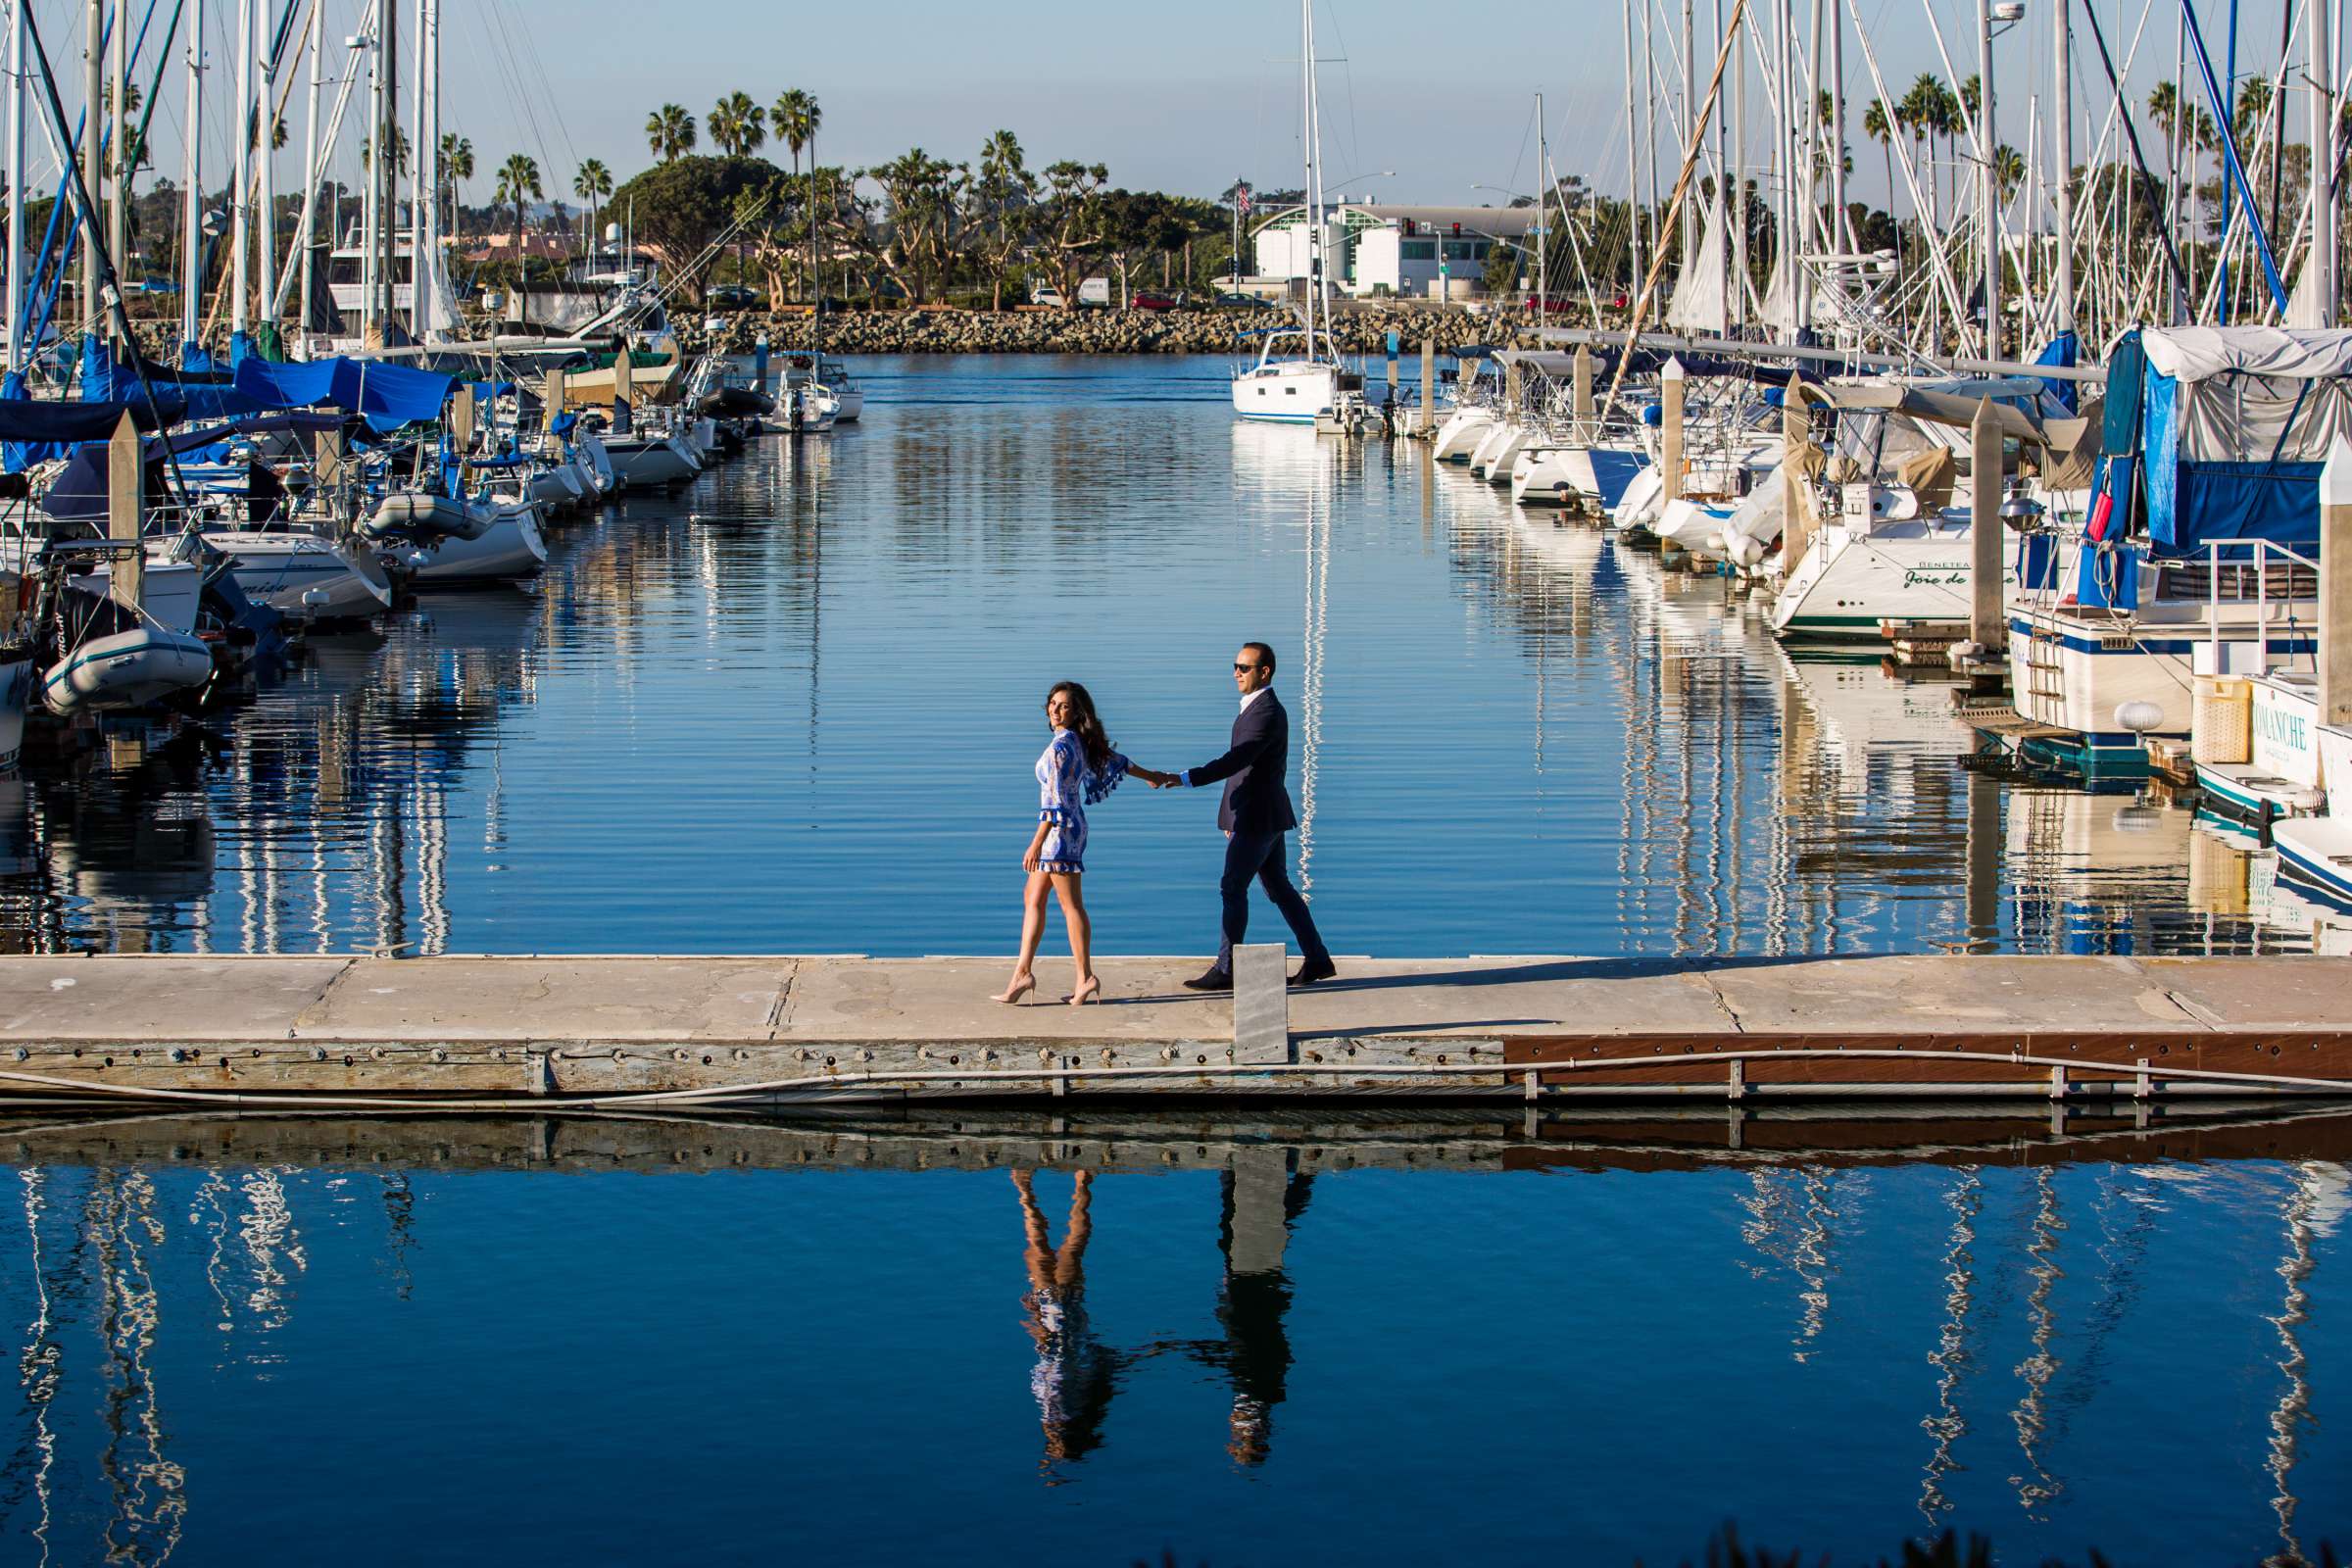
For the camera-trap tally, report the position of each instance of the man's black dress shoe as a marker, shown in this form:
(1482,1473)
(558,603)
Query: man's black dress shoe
(1214,980)
(1311,972)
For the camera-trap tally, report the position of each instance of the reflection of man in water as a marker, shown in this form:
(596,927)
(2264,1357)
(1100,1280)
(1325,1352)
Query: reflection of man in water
(1075,1374)
(1262,1197)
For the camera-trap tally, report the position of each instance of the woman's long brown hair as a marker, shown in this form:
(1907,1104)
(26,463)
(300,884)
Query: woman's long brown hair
(1085,723)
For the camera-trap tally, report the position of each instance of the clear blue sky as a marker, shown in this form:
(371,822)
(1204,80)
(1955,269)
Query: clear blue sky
(1439,92)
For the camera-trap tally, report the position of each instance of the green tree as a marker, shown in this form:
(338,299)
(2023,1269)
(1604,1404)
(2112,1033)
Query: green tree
(456,165)
(922,209)
(1005,200)
(592,185)
(518,183)
(685,204)
(670,132)
(796,114)
(737,125)
(1070,230)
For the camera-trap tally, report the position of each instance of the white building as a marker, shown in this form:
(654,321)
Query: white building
(1377,249)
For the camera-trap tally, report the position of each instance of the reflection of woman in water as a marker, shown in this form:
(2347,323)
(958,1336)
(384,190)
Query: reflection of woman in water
(1075,1374)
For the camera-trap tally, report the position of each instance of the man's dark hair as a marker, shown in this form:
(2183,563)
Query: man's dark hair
(1265,654)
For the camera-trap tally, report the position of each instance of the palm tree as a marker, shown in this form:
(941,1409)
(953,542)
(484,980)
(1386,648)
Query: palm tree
(457,164)
(736,124)
(399,152)
(669,131)
(795,116)
(518,182)
(592,185)
(1878,124)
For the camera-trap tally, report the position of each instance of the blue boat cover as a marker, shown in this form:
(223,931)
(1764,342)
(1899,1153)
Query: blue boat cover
(386,395)
(80,489)
(33,431)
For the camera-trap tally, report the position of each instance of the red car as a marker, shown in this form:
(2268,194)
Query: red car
(1146,300)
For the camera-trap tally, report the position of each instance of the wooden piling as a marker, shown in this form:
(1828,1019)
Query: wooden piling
(1583,408)
(1429,387)
(2335,586)
(126,507)
(1670,420)
(1987,622)
(554,398)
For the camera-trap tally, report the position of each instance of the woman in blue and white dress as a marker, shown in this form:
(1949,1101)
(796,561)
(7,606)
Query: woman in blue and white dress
(1078,770)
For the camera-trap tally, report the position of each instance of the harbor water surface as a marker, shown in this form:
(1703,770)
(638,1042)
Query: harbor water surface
(795,708)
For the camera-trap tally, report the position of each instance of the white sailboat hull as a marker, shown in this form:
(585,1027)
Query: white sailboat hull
(1285,391)
(511,548)
(1848,582)
(305,577)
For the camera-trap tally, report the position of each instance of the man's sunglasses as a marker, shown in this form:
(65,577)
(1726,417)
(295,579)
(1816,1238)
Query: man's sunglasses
(1239,668)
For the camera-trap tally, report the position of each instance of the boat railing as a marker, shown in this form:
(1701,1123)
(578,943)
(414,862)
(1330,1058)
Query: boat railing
(2261,560)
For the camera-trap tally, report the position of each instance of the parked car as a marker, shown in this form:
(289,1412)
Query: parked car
(1152,300)
(1247,302)
(1041,294)
(733,297)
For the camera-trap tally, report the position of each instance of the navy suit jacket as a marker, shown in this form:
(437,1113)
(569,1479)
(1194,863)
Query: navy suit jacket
(1255,799)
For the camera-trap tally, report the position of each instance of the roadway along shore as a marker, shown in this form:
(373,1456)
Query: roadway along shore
(531,1033)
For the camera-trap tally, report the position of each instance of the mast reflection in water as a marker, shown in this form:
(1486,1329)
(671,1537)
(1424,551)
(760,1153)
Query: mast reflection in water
(796,707)
(366,1340)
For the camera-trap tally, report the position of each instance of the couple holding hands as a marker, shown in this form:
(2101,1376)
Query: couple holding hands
(1080,769)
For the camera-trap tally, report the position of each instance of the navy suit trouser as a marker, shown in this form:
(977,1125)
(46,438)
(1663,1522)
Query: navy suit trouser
(1262,857)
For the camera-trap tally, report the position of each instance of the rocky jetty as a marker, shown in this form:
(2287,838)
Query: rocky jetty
(1360,330)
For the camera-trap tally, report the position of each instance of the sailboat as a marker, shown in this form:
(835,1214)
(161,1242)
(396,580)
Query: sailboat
(1293,388)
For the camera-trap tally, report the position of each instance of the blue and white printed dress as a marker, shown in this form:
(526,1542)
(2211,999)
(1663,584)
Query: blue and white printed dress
(1066,788)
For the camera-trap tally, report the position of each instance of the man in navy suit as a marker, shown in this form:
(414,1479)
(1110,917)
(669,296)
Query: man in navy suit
(1255,812)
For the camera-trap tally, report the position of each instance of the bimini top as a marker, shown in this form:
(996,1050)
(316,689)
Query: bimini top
(2199,353)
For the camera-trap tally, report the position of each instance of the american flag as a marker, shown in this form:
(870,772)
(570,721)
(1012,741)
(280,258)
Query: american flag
(1241,197)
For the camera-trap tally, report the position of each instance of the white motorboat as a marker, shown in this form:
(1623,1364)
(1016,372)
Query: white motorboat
(646,461)
(127,670)
(511,548)
(1492,459)
(169,591)
(1565,475)
(1857,573)
(1464,433)
(304,576)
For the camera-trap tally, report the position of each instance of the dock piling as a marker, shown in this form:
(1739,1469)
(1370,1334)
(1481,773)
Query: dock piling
(2335,586)
(1988,621)
(1261,1002)
(1429,388)
(1670,424)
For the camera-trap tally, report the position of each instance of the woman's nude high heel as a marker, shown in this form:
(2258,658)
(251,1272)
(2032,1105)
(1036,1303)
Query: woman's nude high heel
(1017,990)
(1088,990)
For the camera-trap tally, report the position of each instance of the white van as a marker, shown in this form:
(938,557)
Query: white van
(1094,291)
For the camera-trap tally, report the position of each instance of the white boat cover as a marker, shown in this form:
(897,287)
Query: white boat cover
(2197,353)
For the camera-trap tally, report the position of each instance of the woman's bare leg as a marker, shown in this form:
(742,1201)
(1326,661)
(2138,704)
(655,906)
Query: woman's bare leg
(1082,930)
(1032,928)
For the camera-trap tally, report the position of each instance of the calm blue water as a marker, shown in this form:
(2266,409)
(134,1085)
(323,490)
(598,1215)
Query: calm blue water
(664,1342)
(796,709)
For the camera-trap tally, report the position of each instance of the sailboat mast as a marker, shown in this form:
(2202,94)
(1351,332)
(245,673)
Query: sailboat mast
(2062,153)
(1543,211)
(424,267)
(2319,271)
(118,139)
(192,215)
(309,166)
(239,211)
(265,152)
(1632,158)
(1319,276)
(1988,185)
(417,186)
(94,88)
(15,183)
(1841,223)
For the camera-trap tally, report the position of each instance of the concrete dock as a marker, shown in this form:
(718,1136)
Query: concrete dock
(511,1033)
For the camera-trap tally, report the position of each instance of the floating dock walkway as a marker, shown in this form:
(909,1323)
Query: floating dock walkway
(537,1034)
